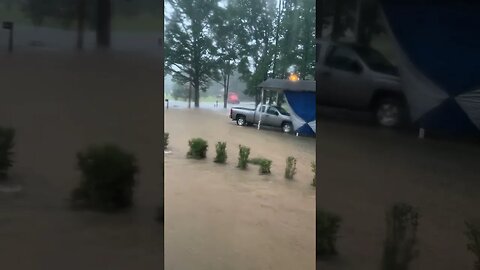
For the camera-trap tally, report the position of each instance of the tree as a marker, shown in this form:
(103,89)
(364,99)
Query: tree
(255,22)
(92,14)
(189,49)
(297,38)
(180,92)
(227,50)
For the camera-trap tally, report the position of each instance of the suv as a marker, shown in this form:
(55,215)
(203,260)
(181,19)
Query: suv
(356,77)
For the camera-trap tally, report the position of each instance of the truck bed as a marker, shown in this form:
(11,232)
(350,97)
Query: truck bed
(243,108)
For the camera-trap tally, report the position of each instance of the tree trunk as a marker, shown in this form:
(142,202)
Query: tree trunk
(189,95)
(320,18)
(337,28)
(225,91)
(81,13)
(104,17)
(196,87)
(367,16)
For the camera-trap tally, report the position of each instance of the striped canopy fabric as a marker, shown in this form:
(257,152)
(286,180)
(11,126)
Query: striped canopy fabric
(301,101)
(438,44)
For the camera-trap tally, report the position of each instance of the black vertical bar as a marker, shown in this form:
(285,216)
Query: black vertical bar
(10,40)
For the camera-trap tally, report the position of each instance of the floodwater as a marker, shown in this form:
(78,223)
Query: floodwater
(60,103)
(365,169)
(220,217)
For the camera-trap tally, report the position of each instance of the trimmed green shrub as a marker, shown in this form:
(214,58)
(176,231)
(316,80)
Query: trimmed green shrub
(473,245)
(314,170)
(328,225)
(401,239)
(244,153)
(291,167)
(7,136)
(265,165)
(221,152)
(108,178)
(198,148)
(166,136)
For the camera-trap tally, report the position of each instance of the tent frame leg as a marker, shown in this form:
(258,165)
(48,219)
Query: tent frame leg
(421,133)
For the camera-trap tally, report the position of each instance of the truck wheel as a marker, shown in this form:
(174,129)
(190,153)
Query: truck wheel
(389,112)
(241,121)
(287,127)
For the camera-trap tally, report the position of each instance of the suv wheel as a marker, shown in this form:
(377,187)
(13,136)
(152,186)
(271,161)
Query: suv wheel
(287,127)
(389,112)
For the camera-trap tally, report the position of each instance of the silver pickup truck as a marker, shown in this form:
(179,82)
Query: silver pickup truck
(269,115)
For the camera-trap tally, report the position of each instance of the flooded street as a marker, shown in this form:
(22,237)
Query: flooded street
(220,217)
(365,169)
(59,103)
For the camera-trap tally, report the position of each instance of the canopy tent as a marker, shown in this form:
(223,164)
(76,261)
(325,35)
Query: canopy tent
(301,100)
(439,59)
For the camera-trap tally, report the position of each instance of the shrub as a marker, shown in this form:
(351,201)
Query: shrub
(221,152)
(198,148)
(473,236)
(399,246)
(7,136)
(244,152)
(166,135)
(291,167)
(108,178)
(265,165)
(328,225)
(314,170)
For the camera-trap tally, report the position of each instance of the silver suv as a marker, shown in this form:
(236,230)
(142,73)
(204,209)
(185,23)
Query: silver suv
(360,78)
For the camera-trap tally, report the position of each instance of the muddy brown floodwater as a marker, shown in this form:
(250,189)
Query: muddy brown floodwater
(59,103)
(220,217)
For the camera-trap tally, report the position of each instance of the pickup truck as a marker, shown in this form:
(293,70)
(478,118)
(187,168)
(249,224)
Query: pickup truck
(269,115)
(357,77)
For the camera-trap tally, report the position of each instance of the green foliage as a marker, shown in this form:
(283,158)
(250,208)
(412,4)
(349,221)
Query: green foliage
(189,46)
(328,225)
(7,136)
(473,236)
(221,152)
(401,239)
(297,38)
(314,170)
(198,148)
(180,92)
(244,153)
(291,167)
(108,178)
(166,136)
(265,165)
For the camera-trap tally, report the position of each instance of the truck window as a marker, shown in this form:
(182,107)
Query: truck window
(262,109)
(342,58)
(272,111)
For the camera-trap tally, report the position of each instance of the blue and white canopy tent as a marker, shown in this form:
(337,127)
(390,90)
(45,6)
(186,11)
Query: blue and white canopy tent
(300,98)
(438,44)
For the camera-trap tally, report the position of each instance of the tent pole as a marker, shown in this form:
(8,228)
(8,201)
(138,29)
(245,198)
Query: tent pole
(421,133)
(261,113)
